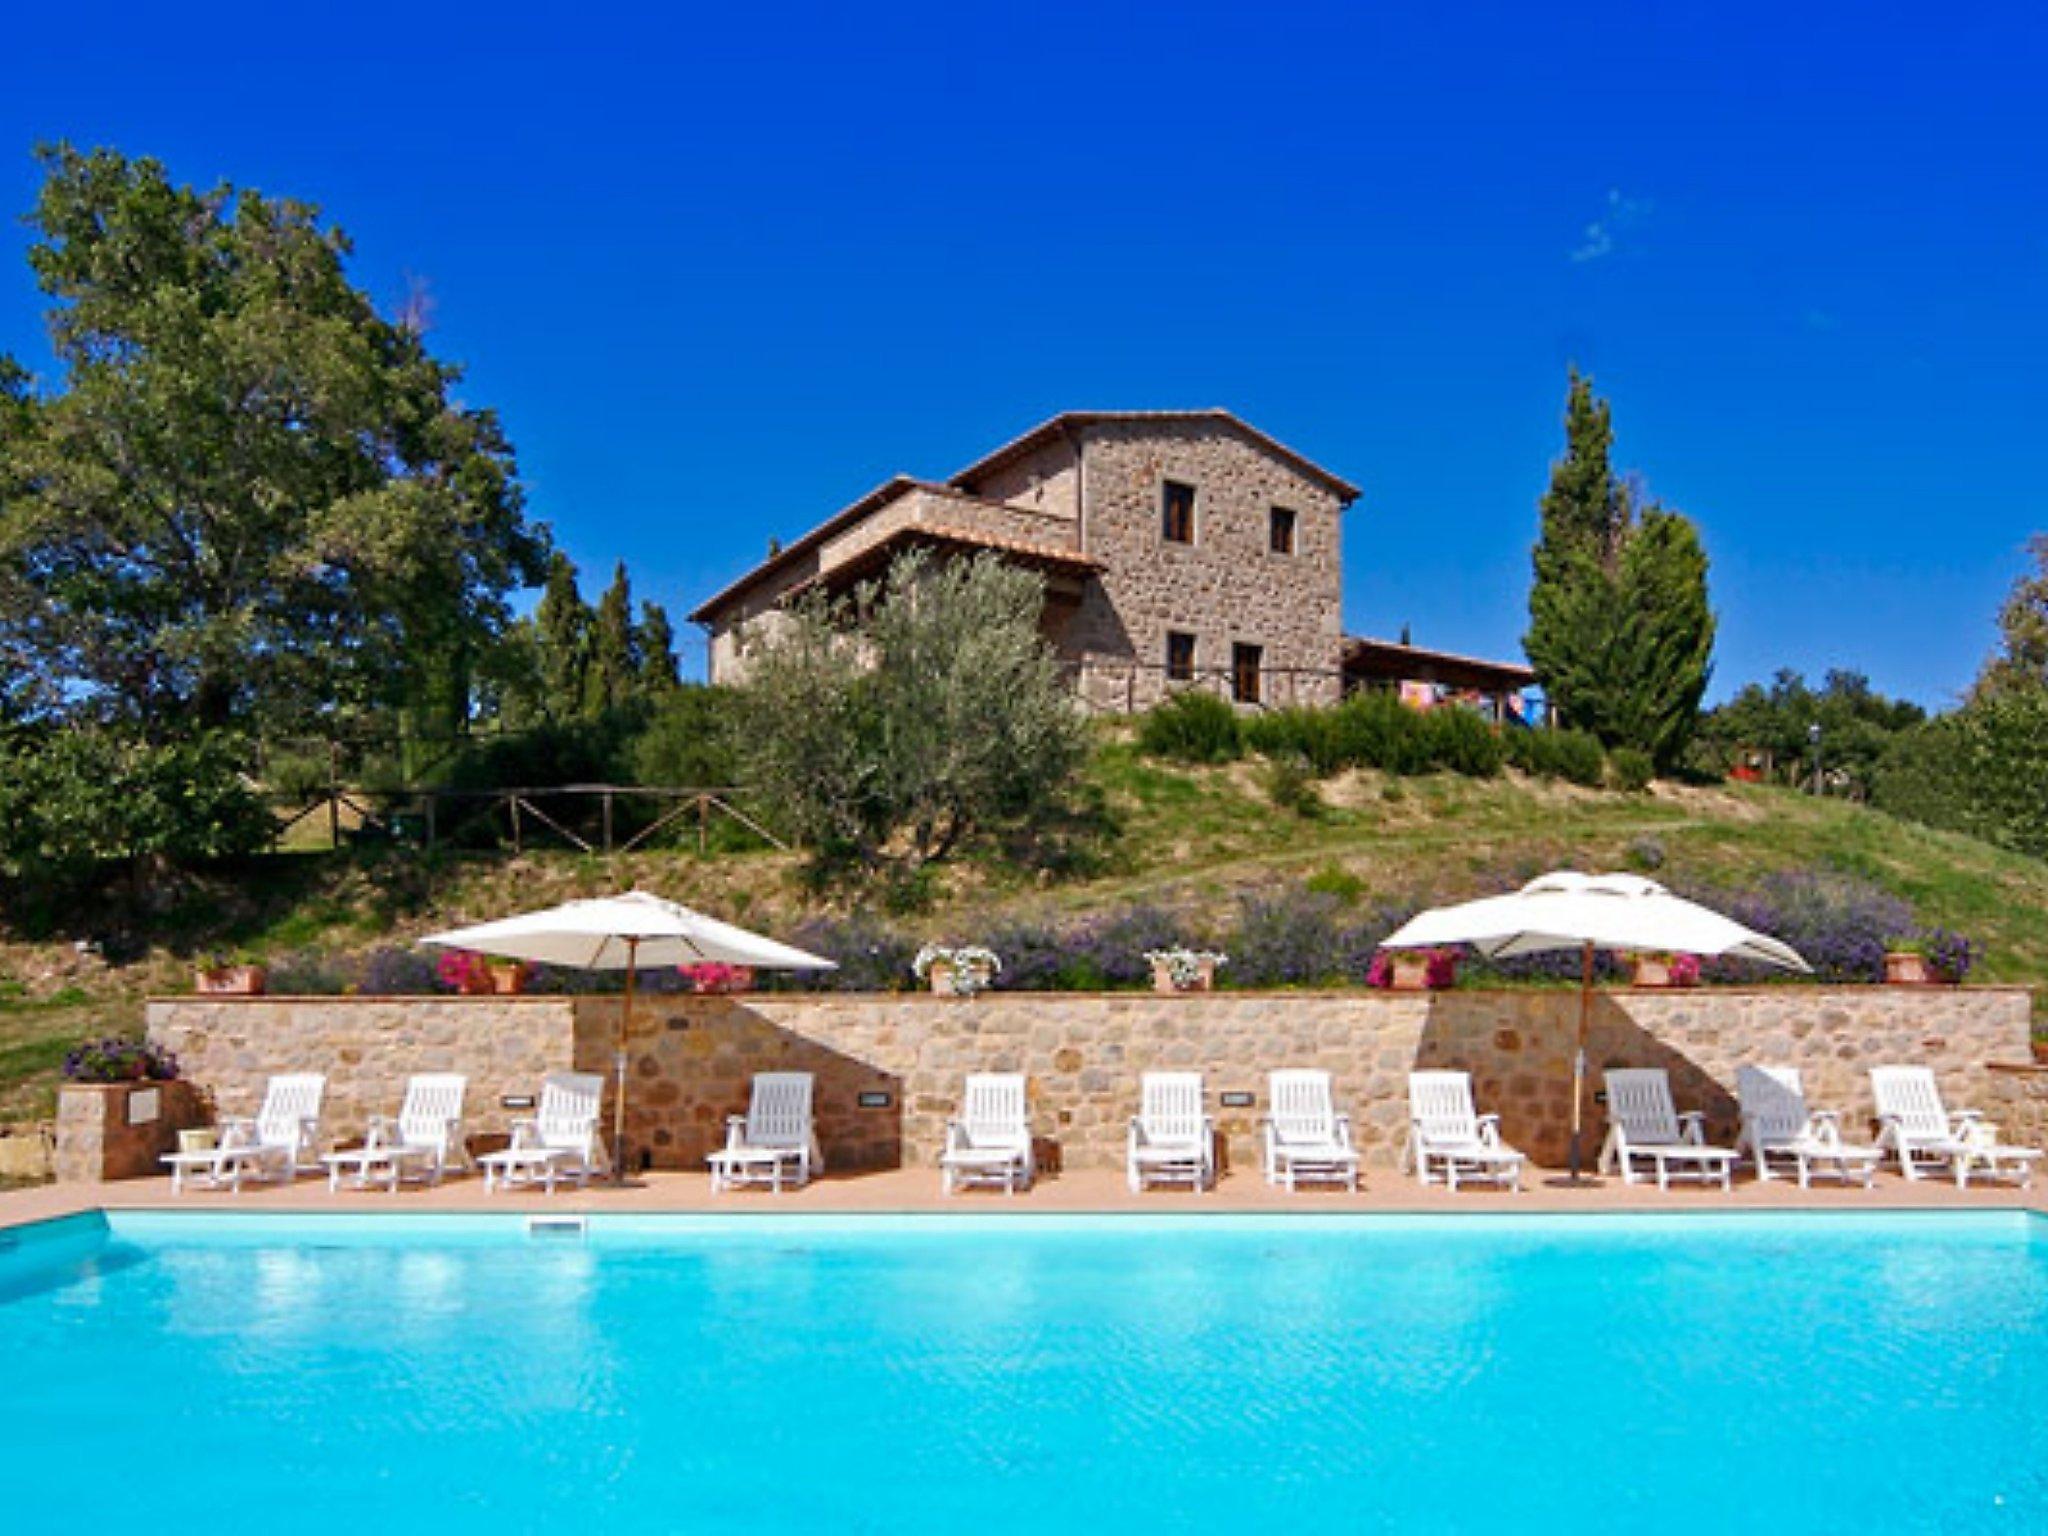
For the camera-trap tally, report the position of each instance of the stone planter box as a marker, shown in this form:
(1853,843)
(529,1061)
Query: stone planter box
(119,1130)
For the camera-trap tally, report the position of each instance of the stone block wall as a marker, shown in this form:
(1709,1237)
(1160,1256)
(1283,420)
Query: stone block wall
(2016,1101)
(367,1046)
(691,1058)
(120,1130)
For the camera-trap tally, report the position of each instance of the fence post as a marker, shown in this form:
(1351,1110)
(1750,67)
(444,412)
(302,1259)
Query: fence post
(514,801)
(607,821)
(334,793)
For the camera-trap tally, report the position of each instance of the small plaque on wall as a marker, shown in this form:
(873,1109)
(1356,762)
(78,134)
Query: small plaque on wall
(1239,1100)
(876,1098)
(145,1105)
(516,1101)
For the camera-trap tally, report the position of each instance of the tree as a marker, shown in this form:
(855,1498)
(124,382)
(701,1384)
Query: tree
(562,627)
(2021,662)
(1620,631)
(614,675)
(1771,729)
(656,644)
(890,728)
(253,499)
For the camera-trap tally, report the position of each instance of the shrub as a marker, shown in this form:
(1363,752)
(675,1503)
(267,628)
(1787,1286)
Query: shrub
(1291,785)
(1574,756)
(1632,770)
(1335,880)
(1838,923)
(1464,743)
(872,956)
(396,972)
(307,973)
(1192,727)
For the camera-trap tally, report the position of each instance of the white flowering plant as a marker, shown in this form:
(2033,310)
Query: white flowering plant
(1184,966)
(972,965)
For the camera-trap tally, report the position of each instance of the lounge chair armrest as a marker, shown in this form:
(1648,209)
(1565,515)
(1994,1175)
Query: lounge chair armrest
(1692,1126)
(525,1133)
(1488,1127)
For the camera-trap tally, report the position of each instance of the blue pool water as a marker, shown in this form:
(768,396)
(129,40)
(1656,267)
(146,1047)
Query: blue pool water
(982,1374)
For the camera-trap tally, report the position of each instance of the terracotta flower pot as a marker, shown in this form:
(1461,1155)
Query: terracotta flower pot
(1162,978)
(1907,970)
(947,980)
(1650,972)
(1409,973)
(506,980)
(231,981)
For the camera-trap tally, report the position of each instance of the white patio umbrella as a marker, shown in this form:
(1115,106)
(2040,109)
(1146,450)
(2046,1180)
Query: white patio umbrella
(623,933)
(1567,910)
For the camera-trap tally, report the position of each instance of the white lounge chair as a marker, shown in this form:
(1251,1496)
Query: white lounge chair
(1446,1131)
(560,1140)
(1777,1122)
(1642,1123)
(1927,1137)
(1171,1139)
(1305,1137)
(989,1142)
(426,1135)
(271,1144)
(775,1139)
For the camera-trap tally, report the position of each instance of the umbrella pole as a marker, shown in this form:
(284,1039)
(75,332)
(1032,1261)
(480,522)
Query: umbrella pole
(1579,1055)
(619,1067)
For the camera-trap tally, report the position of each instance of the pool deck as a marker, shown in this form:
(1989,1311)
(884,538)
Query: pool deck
(916,1190)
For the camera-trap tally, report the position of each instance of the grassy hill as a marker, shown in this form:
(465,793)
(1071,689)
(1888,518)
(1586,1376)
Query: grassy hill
(1198,838)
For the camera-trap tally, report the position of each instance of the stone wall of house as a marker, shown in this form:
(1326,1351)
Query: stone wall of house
(1045,480)
(690,1059)
(1225,588)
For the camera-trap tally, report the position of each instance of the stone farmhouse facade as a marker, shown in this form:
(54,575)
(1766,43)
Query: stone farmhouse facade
(1178,549)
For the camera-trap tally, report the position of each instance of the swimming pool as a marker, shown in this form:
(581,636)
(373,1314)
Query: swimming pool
(992,1374)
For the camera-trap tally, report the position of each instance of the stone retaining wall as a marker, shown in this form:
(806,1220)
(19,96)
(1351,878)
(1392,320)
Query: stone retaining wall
(691,1058)
(2016,1101)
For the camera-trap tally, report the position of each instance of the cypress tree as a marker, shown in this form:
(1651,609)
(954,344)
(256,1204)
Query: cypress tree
(562,625)
(1620,632)
(614,668)
(656,642)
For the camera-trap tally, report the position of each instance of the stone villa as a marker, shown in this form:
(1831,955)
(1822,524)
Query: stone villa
(1178,548)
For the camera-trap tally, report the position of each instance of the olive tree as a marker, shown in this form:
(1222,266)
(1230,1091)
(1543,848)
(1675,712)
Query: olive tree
(890,727)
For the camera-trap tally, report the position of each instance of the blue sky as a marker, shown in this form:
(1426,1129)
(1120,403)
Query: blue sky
(721,270)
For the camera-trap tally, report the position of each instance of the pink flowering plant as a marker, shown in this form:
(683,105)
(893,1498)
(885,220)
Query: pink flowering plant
(710,976)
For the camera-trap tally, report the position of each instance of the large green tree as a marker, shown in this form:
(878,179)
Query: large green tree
(250,499)
(2020,664)
(1620,631)
(890,727)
